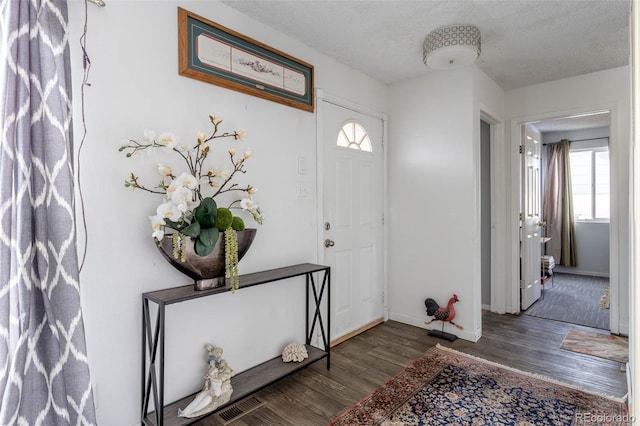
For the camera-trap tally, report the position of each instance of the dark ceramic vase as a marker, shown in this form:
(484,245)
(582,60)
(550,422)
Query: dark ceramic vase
(207,271)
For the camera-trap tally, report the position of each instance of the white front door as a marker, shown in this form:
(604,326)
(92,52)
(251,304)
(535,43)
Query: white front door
(352,222)
(530,249)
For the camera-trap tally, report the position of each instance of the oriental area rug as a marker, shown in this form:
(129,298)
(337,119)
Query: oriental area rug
(597,344)
(446,387)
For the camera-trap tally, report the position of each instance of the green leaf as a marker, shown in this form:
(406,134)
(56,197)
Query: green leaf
(201,249)
(206,213)
(192,230)
(206,241)
(209,236)
(178,226)
(172,225)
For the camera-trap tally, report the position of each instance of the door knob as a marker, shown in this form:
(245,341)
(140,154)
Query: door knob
(329,243)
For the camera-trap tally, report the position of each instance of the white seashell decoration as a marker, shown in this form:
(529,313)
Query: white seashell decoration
(296,352)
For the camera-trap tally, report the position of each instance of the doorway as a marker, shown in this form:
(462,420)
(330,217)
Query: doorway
(485,212)
(578,293)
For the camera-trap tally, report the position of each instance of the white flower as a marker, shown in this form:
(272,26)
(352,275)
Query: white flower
(157,225)
(253,208)
(248,204)
(164,170)
(232,151)
(168,210)
(251,190)
(185,179)
(240,134)
(183,146)
(182,197)
(223,174)
(201,137)
(247,154)
(215,120)
(149,136)
(168,139)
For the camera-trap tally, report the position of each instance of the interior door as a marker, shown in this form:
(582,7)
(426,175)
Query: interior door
(530,249)
(352,223)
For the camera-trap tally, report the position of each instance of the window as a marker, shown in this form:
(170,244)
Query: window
(590,184)
(352,135)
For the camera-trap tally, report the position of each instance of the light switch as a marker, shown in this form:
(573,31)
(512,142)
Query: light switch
(302,166)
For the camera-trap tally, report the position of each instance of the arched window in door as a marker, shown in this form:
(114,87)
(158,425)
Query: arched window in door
(352,135)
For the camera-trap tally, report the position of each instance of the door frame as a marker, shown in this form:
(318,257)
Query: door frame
(321,97)
(614,220)
(498,206)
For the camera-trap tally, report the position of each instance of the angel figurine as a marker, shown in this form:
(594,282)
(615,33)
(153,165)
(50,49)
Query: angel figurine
(217,387)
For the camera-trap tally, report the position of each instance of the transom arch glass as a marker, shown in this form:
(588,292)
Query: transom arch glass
(354,136)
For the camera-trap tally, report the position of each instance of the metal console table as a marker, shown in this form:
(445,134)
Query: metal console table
(247,382)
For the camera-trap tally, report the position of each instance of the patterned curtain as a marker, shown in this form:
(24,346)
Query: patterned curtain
(44,373)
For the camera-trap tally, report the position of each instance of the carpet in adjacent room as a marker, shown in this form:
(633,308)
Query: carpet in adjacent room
(574,299)
(448,387)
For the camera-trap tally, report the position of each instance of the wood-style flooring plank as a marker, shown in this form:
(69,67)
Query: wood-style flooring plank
(314,396)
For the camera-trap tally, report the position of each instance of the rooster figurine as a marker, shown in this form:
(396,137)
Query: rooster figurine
(442,314)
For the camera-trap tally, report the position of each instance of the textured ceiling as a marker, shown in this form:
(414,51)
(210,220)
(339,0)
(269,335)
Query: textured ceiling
(523,41)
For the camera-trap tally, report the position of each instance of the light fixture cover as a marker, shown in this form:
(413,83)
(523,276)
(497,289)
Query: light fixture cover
(453,46)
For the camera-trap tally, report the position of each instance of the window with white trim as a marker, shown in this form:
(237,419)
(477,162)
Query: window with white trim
(590,184)
(352,135)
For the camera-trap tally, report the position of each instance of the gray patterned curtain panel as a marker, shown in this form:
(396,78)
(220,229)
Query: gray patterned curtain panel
(44,372)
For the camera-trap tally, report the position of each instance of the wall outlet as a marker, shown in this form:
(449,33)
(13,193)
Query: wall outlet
(301,189)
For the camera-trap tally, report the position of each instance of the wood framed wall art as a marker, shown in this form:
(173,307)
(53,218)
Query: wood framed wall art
(218,55)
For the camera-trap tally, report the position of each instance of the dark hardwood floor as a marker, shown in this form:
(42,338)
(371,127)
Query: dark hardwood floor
(314,396)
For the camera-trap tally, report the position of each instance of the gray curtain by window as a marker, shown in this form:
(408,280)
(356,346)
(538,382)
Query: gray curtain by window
(558,205)
(44,372)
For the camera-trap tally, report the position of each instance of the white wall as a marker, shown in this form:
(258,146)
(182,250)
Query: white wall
(592,246)
(434,194)
(135,85)
(591,92)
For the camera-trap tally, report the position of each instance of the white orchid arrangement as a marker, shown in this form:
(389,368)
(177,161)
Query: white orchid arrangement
(184,208)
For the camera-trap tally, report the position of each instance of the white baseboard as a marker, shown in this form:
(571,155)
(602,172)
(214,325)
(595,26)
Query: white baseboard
(623,329)
(566,270)
(486,307)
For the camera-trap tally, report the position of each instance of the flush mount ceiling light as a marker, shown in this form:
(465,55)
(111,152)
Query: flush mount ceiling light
(450,47)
